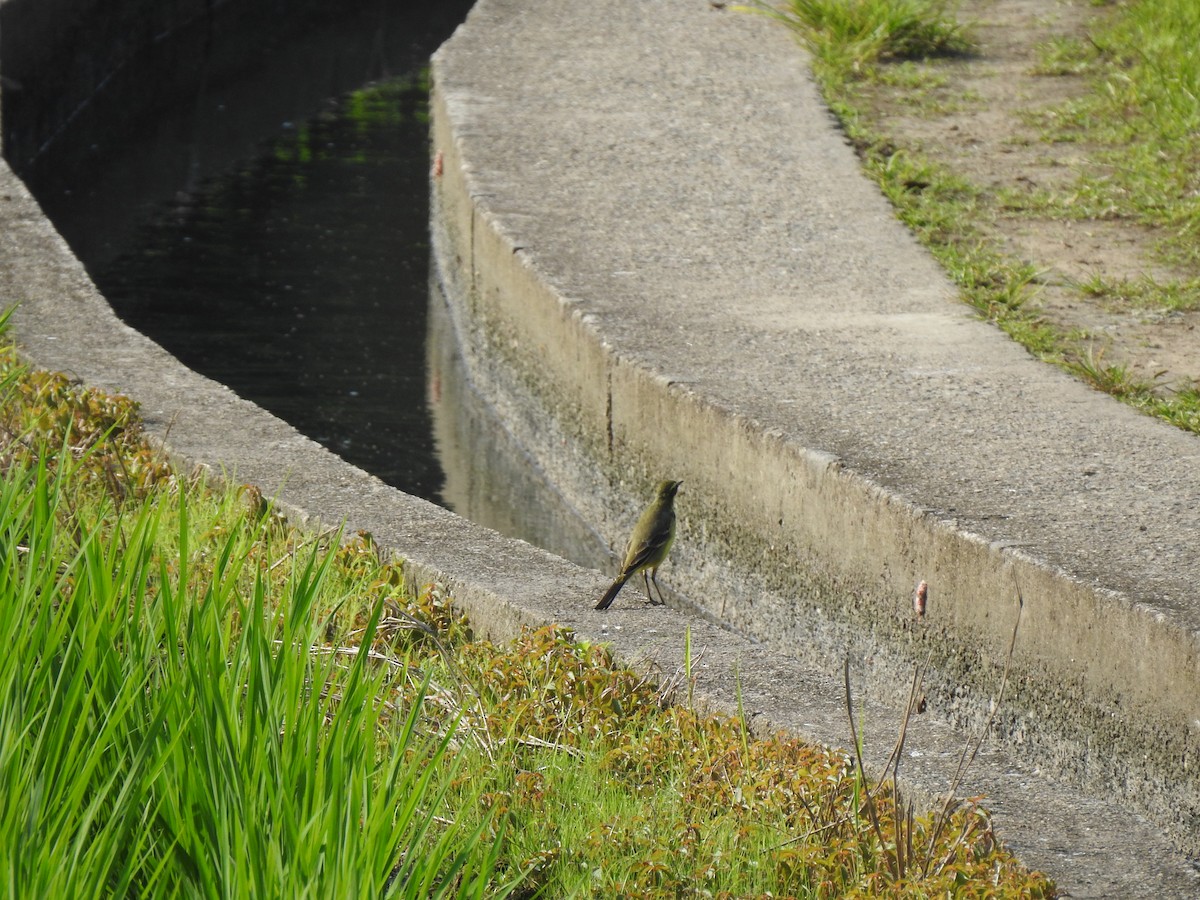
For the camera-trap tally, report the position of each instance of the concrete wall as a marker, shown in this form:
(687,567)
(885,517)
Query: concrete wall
(803,549)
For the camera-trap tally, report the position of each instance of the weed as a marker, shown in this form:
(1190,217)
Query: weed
(1113,379)
(1065,56)
(850,36)
(1143,293)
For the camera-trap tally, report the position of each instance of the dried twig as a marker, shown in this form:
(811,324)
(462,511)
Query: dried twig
(868,800)
(965,760)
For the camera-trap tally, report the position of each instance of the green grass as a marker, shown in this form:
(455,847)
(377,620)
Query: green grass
(939,207)
(168,728)
(1143,293)
(170,724)
(942,211)
(201,700)
(1065,56)
(1142,114)
(850,36)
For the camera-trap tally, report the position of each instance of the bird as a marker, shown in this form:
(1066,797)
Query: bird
(648,545)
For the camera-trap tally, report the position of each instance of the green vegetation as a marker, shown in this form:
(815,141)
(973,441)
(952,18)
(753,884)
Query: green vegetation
(847,37)
(1142,114)
(1143,293)
(172,724)
(200,699)
(941,208)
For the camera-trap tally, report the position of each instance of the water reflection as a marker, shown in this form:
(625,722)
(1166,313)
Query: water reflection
(300,280)
(296,271)
(196,101)
(490,478)
(271,238)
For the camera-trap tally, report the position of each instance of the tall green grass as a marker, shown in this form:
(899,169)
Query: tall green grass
(169,728)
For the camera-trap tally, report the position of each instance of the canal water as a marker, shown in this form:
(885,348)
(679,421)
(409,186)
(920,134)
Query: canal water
(273,233)
(300,279)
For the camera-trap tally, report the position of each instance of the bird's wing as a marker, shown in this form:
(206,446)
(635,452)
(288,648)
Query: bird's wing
(651,550)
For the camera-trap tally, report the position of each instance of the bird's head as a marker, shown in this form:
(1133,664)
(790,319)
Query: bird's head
(668,489)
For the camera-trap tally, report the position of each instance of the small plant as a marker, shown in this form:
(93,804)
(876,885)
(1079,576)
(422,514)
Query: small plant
(1113,379)
(1065,56)
(1181,408)
(1143,293)
(852,36)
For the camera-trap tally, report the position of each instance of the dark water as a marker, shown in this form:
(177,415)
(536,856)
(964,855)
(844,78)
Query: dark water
(272,231)
(301,281)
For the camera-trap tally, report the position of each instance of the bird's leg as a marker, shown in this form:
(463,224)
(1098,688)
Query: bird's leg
(654,581)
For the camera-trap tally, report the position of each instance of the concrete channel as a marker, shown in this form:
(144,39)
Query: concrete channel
(659,259)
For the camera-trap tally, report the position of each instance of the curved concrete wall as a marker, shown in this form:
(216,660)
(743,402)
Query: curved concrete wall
(662,261)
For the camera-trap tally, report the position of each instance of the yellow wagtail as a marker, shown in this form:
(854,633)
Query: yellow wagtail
(648,545)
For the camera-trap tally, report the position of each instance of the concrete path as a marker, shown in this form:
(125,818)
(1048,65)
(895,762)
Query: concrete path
(669,166)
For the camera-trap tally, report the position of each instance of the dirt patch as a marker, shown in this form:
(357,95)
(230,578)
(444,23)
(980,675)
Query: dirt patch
(977,123)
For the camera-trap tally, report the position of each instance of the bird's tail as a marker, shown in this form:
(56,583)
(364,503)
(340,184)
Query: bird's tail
(612,592)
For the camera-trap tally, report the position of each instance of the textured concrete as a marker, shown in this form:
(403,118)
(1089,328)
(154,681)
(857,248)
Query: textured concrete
(682,272)
(662,261)
(654,239)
